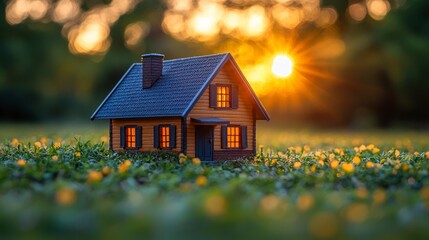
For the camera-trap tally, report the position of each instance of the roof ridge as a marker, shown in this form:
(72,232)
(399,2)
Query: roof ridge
(187,58)
(201,56)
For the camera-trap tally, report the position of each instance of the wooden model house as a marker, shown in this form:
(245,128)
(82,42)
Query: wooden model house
(201,106)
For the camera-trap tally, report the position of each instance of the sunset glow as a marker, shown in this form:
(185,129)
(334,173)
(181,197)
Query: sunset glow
(282,66)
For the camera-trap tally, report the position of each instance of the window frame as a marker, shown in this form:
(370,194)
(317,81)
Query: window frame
(229,87)
(160,141)
(238,134)
(126,127)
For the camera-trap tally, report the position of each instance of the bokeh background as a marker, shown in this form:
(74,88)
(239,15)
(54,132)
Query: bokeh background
(357,63)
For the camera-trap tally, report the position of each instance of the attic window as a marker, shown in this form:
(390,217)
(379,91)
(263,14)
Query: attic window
(223,96)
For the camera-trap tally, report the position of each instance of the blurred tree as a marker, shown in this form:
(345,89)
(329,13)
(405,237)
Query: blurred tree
(356,62)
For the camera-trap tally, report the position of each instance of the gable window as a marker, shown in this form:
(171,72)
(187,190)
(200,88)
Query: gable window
(223,96)
(130,137)
(164,136)
(234,137)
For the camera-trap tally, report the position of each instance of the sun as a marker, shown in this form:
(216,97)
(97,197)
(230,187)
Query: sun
(282,66)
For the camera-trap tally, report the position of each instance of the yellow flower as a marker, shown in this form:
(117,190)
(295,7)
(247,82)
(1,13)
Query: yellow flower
(106,170)
(348,167)
(57,144)
(55,158)
(201,181)
(357,212)
(321,162)
(306,148)
(104,139)
(375,150)
(21,162)
(424,192)
(297,165)
(123,167)
(313,168)
(379,196)
(37,144)
(14,142)
(334,164)
(356,160)
(215,205)
(370,147)
(127,163)
(324,225)
(196,161)
(305,202)
(397,153)
(44,140)
(94,176)
(369,165)
(405,167)
(77,154)
(427,155)
(331,156)
(362,148)
(362,193)
(269,203)
(65,196)
(182,160)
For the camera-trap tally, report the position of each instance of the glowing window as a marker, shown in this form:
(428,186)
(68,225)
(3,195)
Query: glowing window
(223,96)
(164,136)
(233,137)
(130,137)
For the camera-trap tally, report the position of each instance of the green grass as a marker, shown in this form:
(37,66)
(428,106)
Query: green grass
(305,184)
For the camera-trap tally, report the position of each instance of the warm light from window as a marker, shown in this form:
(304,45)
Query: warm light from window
(282,66)
(165,137)
(223,97)
(233,137)
(130,137)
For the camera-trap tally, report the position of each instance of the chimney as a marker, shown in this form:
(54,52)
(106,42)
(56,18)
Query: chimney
(152,68)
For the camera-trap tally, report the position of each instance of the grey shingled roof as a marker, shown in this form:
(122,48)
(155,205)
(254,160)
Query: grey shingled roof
(181,84)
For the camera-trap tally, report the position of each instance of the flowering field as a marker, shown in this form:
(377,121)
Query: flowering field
(301,184)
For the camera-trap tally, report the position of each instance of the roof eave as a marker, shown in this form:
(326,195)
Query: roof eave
(252,93)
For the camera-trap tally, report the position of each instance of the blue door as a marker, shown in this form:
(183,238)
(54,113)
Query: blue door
(204,143)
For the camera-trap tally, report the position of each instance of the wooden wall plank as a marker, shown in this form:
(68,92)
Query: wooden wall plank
(147,131)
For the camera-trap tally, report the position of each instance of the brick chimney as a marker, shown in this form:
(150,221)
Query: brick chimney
(152,68)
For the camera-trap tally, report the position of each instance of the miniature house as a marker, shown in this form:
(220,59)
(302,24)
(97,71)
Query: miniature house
(201,106)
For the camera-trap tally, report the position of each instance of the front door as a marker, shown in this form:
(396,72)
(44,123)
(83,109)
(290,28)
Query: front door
(204,142)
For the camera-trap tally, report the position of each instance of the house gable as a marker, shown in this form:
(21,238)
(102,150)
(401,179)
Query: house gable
(243,115)
(234,72)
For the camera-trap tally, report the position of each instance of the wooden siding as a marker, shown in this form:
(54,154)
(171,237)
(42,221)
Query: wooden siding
(242,116)
(147,131)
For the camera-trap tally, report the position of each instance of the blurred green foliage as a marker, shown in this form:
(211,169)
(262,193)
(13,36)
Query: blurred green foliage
(56,186)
